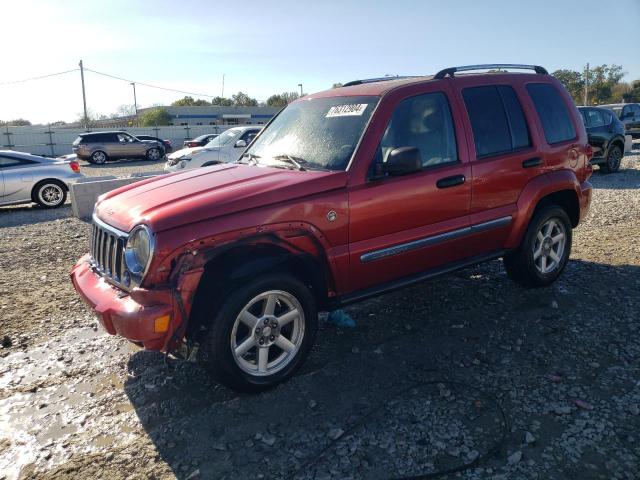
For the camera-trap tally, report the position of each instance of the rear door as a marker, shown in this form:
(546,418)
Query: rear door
(503,157)
(404,225)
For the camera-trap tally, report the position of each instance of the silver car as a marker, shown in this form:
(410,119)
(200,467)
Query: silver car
(28,178)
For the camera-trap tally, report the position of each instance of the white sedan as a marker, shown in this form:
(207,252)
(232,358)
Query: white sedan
(226,148)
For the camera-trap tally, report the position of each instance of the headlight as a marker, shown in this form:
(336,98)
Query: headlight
(138,251)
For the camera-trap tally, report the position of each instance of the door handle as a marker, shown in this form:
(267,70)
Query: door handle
(532,162)
(450,181)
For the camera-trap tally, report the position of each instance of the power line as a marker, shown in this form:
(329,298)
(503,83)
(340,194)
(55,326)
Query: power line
(39,77)
(148,85)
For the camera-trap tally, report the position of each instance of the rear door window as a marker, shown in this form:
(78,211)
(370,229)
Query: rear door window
(497,120)
(553,113)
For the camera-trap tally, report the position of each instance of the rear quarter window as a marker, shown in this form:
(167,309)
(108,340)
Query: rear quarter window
(553,113)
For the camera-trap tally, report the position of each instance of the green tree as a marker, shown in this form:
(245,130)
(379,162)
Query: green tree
(243,100)
(221,101)
(188,101)
(18,122)
(633,95)
(155,116)
(336,85)
(282,99)
(602,80)
(573,82)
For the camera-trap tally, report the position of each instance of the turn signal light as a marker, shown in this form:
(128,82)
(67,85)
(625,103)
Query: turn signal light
(75,166)
(161,324)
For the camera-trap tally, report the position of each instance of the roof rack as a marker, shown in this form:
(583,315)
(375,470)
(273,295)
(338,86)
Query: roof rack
(490,66)
(374,80)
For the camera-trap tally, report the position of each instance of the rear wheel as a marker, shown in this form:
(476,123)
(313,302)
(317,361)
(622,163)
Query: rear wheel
(261,333)
(98,157)
(544,251)
(50,194)
(612,160)
(153,154)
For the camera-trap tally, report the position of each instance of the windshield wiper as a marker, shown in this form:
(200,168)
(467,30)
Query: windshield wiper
(252,157)
(295,161)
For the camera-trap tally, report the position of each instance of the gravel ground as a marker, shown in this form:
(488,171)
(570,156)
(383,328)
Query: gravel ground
(467,368)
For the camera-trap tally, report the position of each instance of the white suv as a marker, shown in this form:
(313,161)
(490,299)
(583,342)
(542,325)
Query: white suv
(225,148)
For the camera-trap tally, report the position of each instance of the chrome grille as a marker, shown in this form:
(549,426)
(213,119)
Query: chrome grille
(107,251)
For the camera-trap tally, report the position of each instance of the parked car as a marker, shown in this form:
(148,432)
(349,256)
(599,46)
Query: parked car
(98,147)
(605,133)
(26,178)
(225,148)
(345,195)
(168,147)
(629,114)
(200,141)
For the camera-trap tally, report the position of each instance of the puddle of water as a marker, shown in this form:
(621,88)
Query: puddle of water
(55,400)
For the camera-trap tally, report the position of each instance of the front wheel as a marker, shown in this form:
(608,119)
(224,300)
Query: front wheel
(613,159)
(544,251)
(261,333)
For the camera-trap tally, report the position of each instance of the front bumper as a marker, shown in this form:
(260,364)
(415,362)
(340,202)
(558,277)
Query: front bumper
(119,313)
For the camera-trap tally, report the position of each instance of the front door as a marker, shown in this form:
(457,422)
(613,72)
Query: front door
(597,130)
(16,179)
(403,225)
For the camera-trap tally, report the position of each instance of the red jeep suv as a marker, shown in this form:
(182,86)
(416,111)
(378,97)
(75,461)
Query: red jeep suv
(346,194)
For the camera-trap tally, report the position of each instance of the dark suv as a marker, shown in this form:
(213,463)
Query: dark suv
(98,147)
(629,114)
(606,135)
(346,194)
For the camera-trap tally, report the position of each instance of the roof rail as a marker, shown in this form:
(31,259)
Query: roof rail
(374,80)
(490,66)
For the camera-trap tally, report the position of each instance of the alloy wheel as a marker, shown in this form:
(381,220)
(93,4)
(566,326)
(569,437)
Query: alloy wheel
(267,333)
(50,194)
(549,246)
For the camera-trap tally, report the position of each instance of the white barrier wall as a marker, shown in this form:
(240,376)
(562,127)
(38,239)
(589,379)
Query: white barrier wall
(53,142)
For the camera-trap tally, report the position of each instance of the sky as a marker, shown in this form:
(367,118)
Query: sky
(264,47)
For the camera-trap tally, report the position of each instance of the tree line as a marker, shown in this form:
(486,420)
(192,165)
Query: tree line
(603,83)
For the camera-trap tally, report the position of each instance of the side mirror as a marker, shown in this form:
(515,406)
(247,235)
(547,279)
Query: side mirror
(241,144)
(403,161)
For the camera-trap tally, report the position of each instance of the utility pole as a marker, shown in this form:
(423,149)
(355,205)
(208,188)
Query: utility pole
(84,97)
(586,86)
(135,101)
(222,95)
(301,94)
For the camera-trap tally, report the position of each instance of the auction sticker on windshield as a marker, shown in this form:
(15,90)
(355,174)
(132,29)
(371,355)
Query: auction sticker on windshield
(349,110)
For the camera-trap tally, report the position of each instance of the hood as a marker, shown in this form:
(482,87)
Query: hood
(185,151)
(169,201)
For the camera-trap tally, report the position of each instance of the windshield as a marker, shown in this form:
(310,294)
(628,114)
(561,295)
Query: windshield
(224,138)
(318,133)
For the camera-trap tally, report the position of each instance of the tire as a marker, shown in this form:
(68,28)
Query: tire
(50,194)
(98,157)
(612,161)
(154,154)
(257,368)
(526,265)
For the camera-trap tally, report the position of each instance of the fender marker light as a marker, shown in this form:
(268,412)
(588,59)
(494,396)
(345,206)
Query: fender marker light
(161,324)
